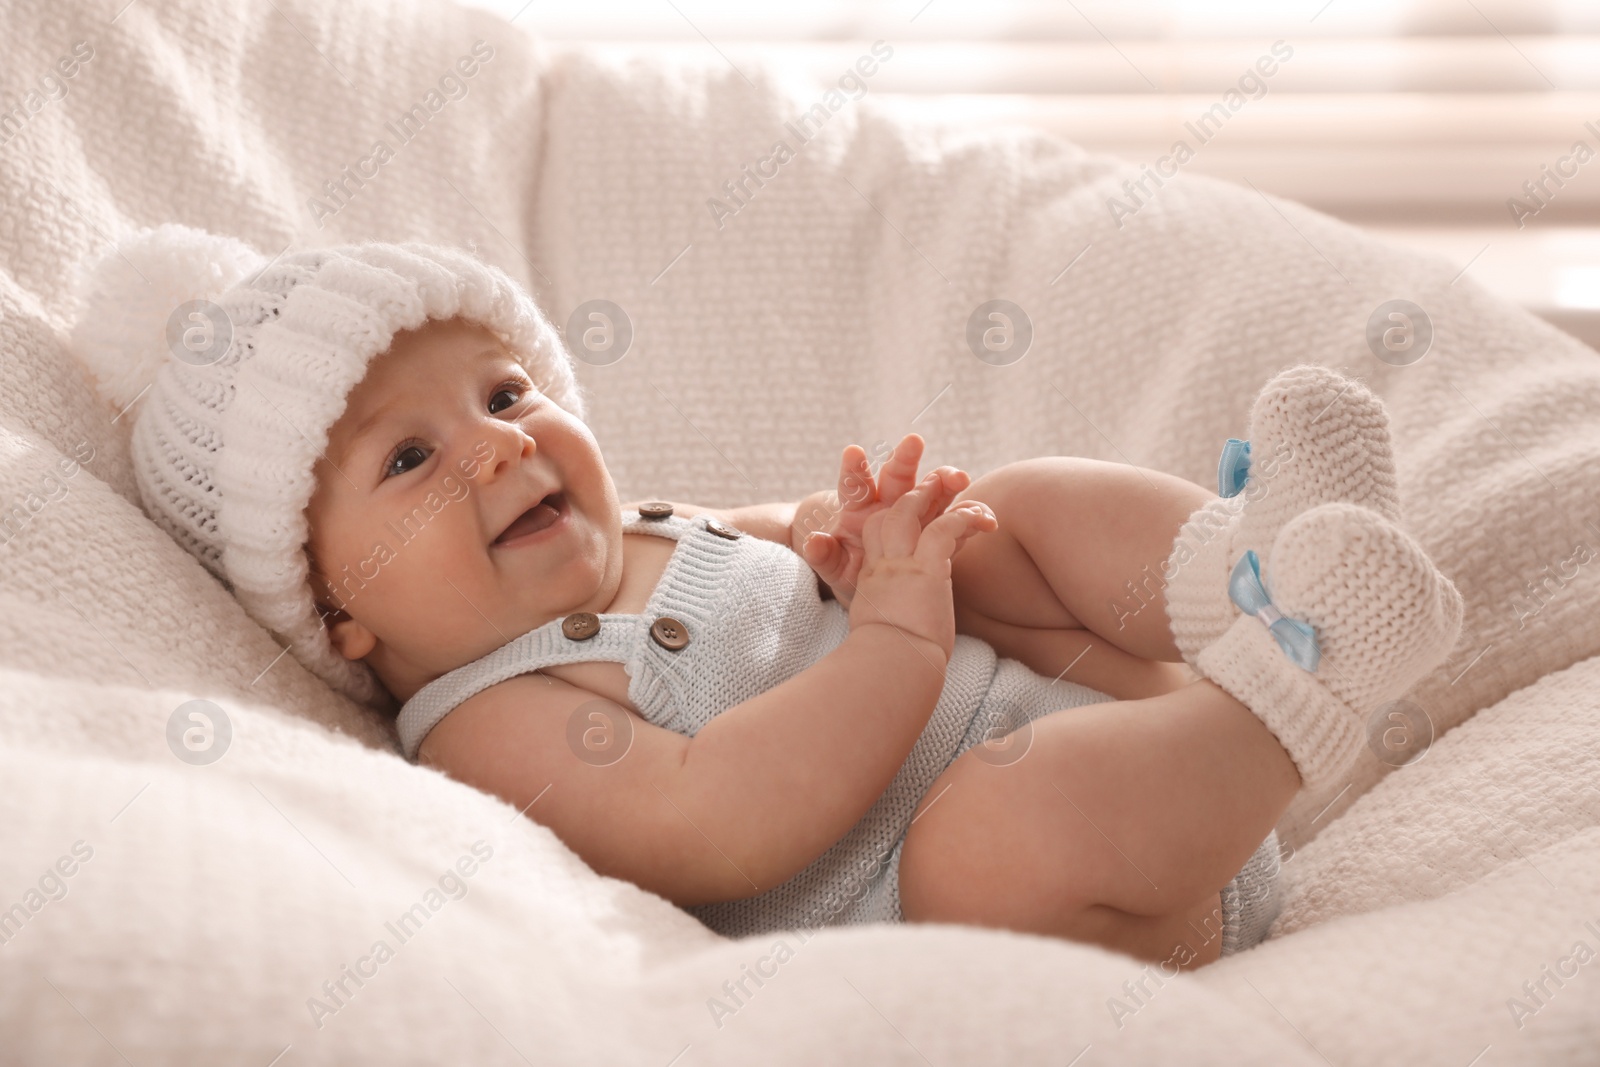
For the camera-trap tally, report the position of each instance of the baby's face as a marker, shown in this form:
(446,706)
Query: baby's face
(456,508)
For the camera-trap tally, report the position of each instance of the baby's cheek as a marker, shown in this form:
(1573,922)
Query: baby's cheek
(440,600)
(331,563)
(433,559)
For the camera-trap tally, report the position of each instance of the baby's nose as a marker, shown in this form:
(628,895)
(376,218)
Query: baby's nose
(510,444)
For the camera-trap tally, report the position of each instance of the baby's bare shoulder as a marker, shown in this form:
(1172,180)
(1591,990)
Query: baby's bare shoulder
(527,707)
(534,729)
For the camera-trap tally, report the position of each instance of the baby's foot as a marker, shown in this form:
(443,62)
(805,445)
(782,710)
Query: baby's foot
(1316,437)
(1381,617)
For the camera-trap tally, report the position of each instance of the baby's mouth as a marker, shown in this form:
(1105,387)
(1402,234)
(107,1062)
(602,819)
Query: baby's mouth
(539,517)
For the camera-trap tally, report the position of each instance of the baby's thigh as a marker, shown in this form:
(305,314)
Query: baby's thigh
(993,574)
(1079,542)
(990,845)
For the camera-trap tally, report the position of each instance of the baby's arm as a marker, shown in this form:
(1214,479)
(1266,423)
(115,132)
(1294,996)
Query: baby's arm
(766,786)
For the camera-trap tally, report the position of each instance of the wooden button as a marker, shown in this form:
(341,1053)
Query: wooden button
(669,633)
(722,529)
(655,509)
(581,625)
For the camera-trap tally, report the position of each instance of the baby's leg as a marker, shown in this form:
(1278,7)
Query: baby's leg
(1087,554)
(1081,544)
(1091,546)
(1118,826)
(1121,821)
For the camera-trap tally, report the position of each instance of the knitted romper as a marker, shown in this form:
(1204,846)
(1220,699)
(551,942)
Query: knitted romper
(754,618)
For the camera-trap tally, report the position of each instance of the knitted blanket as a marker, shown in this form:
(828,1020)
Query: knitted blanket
(797,266)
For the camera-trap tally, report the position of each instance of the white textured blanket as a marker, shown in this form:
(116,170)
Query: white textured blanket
(311,896)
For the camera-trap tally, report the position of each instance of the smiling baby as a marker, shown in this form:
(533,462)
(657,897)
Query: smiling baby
(899,699)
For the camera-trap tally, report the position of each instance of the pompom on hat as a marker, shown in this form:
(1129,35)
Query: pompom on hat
(239,366)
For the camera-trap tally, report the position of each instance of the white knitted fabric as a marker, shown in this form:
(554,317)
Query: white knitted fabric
(1383,617)
(1253,899)
(1316,437)
(227,430)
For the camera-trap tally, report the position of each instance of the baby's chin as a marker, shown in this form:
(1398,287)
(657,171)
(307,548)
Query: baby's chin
(592,586)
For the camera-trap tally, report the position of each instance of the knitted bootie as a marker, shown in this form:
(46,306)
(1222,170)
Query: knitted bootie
(1350,613)
(1252,901)
(1315,437)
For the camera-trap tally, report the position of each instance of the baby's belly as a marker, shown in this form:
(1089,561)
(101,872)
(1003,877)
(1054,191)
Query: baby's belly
(601,678)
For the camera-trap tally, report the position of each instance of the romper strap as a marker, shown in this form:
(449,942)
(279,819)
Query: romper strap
(546,645)
(669,525)
(537,648)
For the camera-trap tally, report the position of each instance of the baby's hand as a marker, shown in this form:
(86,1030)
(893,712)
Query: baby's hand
(836,552)
(904,577)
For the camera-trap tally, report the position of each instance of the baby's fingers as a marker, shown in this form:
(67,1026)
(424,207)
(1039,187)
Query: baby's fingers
(832,561)
(945,534)
(824,554)
(856,487)
(894,530)
(952,481)
(898,475)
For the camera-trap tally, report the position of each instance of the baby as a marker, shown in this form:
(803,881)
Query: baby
(904,700)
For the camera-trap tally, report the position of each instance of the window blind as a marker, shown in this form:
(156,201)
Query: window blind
(1452,125)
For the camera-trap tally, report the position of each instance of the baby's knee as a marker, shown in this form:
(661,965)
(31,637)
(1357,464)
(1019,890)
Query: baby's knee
(1032,474)
(1040,489)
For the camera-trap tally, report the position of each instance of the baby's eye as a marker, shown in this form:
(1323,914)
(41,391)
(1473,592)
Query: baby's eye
(504,397)
(405,458)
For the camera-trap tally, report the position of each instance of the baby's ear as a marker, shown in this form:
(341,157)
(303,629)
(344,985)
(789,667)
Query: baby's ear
(353,640)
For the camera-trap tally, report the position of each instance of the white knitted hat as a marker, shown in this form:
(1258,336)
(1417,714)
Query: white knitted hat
(239,367)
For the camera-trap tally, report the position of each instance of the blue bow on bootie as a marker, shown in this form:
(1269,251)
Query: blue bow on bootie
(1296,638)
(1233,469)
